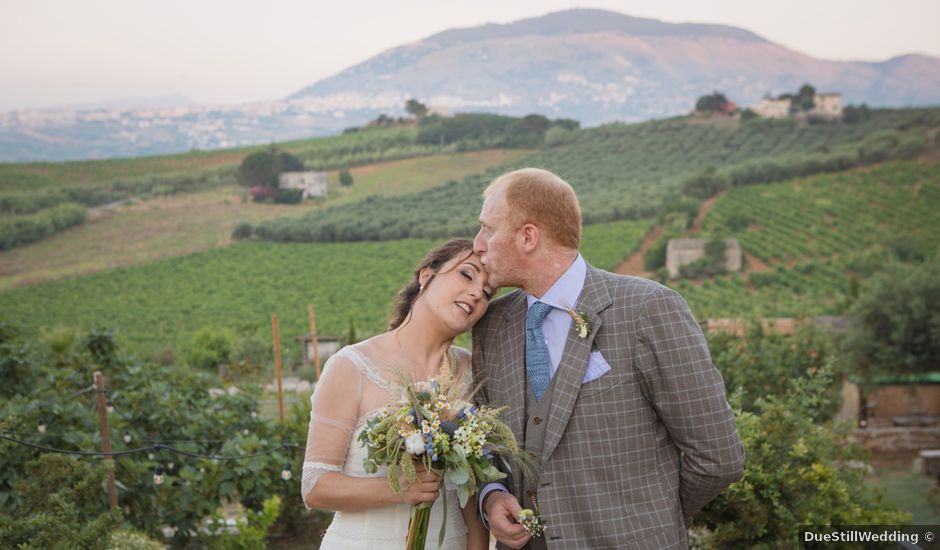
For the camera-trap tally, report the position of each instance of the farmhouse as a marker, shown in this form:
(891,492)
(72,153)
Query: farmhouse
(773,108)
(680,252)
(313,184)
(827,106)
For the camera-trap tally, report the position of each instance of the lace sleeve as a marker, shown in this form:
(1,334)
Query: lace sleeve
(334,410)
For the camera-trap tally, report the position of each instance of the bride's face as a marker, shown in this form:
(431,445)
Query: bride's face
(458,295)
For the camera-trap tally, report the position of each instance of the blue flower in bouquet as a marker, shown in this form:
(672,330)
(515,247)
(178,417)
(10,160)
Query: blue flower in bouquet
(449,427)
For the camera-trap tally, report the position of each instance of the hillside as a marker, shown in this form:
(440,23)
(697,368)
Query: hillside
(181,223)
(591,65)
(631,171)
(598,66)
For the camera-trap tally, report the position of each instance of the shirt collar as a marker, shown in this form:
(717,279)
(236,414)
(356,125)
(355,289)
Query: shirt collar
(566,290)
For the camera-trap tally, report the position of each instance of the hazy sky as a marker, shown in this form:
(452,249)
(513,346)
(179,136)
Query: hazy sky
(64,52)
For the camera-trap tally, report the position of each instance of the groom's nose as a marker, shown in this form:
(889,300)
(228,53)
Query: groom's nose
(479,244)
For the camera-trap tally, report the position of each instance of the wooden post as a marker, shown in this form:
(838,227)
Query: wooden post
(277,368)
(105,437)
(314,342)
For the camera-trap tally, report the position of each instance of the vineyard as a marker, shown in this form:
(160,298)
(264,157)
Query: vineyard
(815,235)
(160,304)
(631,171)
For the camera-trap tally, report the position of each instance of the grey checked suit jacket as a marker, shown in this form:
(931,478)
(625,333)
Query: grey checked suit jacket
(628,458)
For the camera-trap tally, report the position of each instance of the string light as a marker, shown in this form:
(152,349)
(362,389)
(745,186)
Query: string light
(158,475)
(110,406)
(127,436)
(42,426)
(285,473)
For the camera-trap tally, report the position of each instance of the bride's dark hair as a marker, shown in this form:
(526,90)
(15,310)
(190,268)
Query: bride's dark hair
(433,261)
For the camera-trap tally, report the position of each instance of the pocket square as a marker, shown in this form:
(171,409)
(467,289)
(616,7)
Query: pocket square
(597,367)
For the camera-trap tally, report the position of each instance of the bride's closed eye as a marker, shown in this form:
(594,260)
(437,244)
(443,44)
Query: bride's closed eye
(486,292)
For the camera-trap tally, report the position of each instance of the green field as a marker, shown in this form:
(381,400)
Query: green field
(162,227)
(156,306)
(811,236)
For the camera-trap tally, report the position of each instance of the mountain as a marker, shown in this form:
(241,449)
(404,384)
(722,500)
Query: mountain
(598,66)
(591,65)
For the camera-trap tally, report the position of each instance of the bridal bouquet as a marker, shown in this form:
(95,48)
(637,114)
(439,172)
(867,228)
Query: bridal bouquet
(433,424)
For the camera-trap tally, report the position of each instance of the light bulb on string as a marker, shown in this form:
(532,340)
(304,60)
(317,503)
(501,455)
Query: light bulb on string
(127,436)
(41,426)
(285,473)
(110,406)
(158,475)
(150,456)
(170,465)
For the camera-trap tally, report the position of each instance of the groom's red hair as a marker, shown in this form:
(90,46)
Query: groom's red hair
(541,198)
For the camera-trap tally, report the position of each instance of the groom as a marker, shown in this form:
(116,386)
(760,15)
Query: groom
(608,381)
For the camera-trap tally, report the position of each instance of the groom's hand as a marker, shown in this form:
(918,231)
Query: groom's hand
(501,511)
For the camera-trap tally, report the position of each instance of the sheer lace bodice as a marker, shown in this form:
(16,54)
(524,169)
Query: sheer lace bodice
(353,388)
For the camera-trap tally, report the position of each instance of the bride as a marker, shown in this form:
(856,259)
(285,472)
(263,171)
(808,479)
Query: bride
(446,296)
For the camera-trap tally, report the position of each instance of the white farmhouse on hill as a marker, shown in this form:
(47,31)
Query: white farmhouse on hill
(773,108)
(827,106)
(313,184)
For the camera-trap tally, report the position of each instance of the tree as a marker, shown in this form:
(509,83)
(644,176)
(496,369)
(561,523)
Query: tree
(416,109)
(345,178)
(804,100)
(896,328)
(716,102)
(209,348)
(264,168)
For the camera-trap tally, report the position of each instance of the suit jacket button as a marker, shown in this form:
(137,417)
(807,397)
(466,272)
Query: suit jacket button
(537,420)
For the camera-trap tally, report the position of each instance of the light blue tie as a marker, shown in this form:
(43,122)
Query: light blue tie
(536,352)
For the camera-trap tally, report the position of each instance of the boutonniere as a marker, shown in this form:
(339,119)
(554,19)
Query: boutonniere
(581,323)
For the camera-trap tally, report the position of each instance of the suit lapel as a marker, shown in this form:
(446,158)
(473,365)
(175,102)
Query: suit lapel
(594,298)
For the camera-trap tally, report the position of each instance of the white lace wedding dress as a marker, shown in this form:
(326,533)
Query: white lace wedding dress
(353,388)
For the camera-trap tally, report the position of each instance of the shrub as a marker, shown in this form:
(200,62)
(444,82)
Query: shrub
(345,178)
(20,230)
(797,473)
(209,348)
(896,328)
(705,184)
(60,506)
(242,231)
(764,362)
(289,196)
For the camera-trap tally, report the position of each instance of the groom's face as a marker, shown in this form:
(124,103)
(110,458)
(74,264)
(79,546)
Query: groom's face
(495,242)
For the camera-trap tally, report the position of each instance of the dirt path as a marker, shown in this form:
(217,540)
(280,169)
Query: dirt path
(702,212)
(634,264)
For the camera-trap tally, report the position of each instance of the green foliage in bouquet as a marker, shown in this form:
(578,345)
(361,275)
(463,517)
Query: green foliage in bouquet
(435,424)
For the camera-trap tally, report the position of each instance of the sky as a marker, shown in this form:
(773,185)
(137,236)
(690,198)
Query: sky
(63,52)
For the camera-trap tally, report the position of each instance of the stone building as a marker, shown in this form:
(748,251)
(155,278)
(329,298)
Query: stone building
(773,108)
(827,106)
(680,252)
(313,184)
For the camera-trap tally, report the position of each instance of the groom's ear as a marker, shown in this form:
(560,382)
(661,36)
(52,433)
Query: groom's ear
(531,237)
